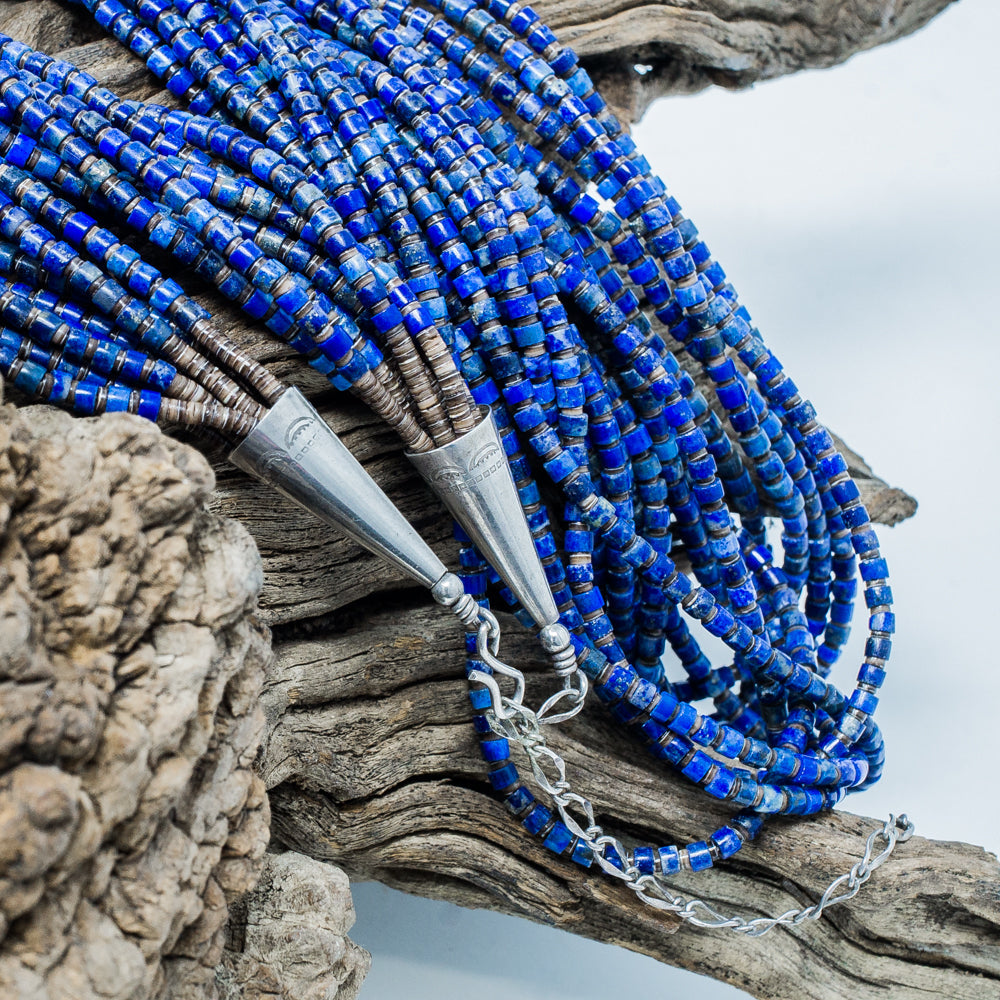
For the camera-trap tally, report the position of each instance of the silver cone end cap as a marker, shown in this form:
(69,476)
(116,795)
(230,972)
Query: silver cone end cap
(295,451)
(473,479)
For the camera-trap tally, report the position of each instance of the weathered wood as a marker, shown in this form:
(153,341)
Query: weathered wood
(287,939)
(370,758)
(371,764)
(637,51)
(130,672)
(641,51)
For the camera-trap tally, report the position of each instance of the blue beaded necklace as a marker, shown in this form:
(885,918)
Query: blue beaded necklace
(438,211)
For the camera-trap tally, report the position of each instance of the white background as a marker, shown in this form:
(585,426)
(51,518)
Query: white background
(857,212)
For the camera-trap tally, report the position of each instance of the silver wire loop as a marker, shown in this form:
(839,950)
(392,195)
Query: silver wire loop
(574,692)
(555,639)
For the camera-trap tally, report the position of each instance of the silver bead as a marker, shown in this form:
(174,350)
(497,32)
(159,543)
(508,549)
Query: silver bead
(448,590)
(554,638)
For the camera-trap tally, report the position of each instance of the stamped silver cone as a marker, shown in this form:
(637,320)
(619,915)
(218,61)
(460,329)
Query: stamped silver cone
(295,451)
(473,479)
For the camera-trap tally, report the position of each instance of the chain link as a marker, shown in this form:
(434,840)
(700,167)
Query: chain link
(895,830)
(508,716)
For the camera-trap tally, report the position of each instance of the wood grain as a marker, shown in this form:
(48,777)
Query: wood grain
(372,764)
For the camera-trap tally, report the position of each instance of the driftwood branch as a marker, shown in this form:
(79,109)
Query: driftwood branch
(637,51)
(641,51)
(371,764)
(369,756)
(132,817)
(288,937)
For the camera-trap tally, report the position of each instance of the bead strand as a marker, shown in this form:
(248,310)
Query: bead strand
(435,207)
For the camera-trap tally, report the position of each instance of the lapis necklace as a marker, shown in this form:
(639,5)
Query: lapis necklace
(436,209)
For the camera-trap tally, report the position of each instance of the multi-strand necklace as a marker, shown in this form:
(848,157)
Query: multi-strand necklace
(437,210)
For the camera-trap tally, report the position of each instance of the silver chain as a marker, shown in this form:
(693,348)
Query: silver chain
(509,717)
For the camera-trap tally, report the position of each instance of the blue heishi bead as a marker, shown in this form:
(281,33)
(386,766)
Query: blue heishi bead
(882,621)
(670,861)
(697,767)
(559,838)
(617,684)
(699,856)
(878,648)
(519,799)
(873,569)
(504,777)
(480,698)
(495,749)
(612,855)
(878,596)
(537,819)
(643,860)
(721,784)
(727,840)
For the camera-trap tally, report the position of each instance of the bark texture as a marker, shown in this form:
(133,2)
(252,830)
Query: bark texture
(637,51)
(287,938)
(130,675)
(371,764)
(642,50)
